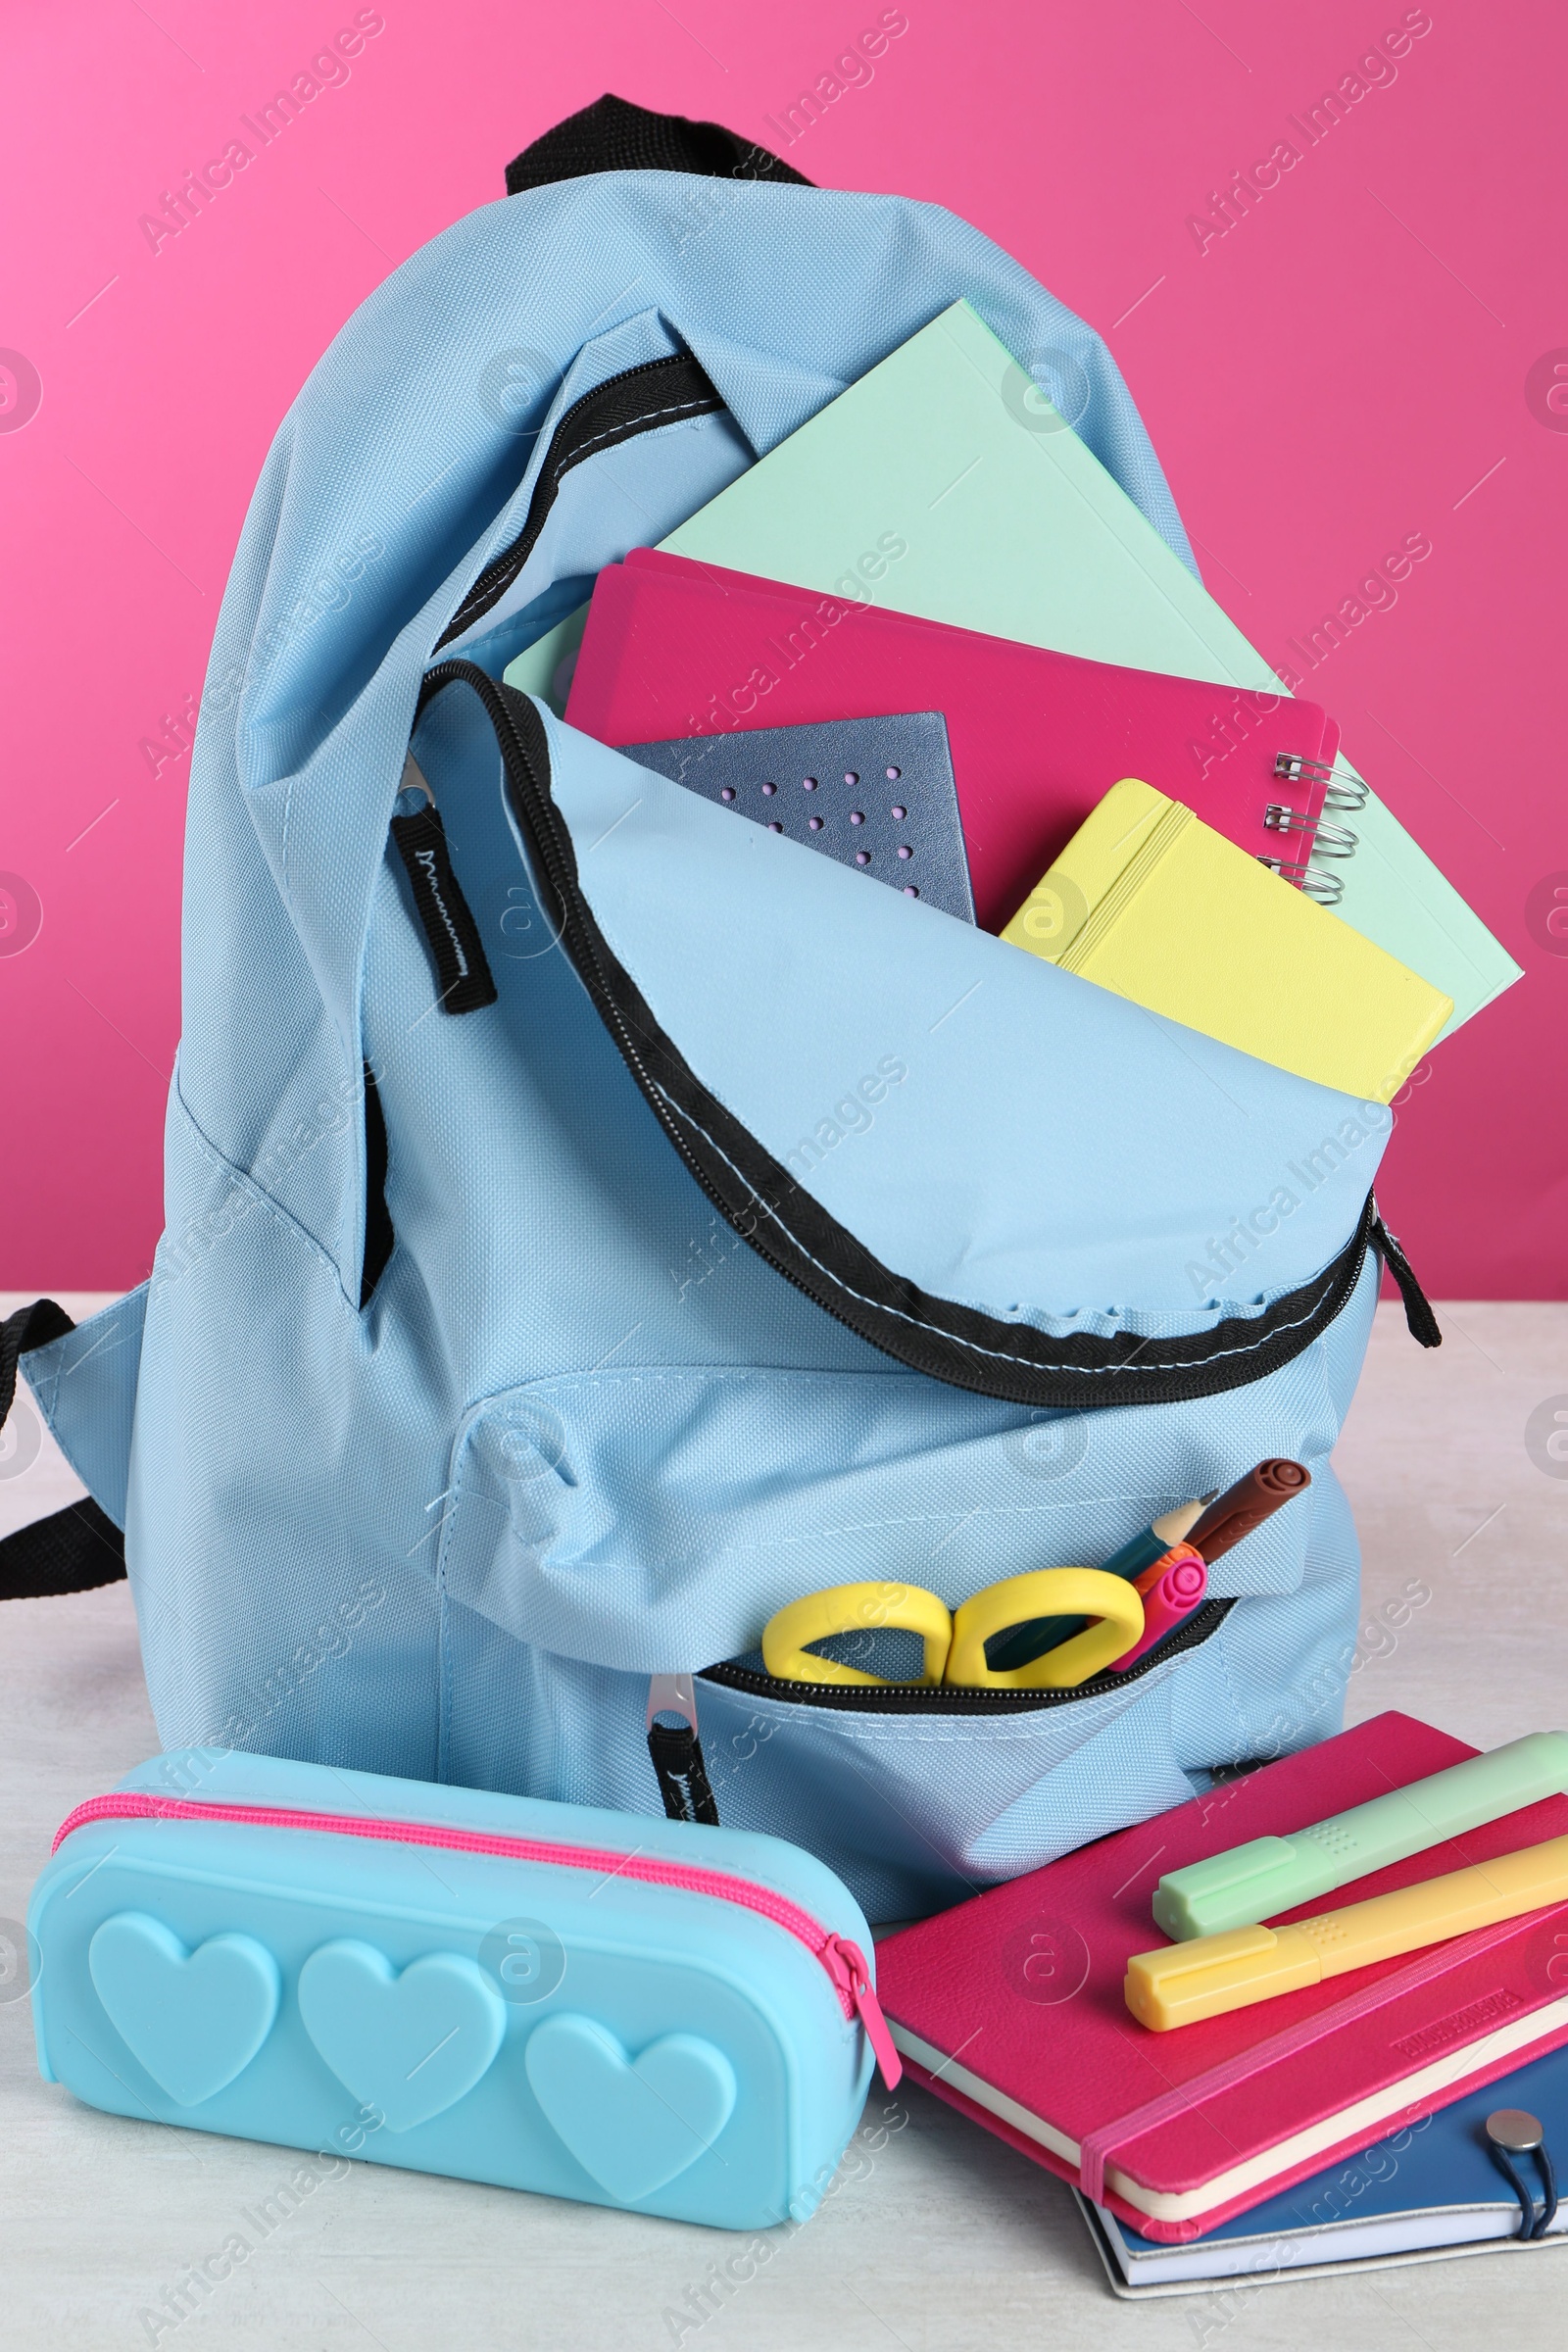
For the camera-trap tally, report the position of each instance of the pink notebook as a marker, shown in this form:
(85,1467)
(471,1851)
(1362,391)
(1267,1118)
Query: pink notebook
(674,648)
(1010,2007)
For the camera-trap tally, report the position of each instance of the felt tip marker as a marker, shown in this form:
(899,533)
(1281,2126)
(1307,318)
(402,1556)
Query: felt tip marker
(1172,1590)
(1270,1874)
(1211,1526)
(1246,1505)
(1209,1977)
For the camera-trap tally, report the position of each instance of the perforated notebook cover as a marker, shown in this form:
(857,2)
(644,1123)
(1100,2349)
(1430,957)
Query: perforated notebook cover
(876,794)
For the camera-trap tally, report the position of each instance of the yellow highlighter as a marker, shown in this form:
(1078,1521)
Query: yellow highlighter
(1214,1973)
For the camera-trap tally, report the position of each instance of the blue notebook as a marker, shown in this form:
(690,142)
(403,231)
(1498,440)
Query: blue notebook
(877,793)
(1431,2190)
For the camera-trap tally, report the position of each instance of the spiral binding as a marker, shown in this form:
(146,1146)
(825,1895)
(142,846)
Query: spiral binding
(1341,794)
(1329,841)
(1297,770)
(1309,880)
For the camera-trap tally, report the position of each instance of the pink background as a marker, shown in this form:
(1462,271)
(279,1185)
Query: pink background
(1348,364)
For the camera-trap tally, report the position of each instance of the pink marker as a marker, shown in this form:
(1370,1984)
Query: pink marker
(1172,1590)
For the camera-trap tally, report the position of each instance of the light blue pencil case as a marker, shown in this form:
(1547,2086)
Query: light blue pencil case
(656,2015)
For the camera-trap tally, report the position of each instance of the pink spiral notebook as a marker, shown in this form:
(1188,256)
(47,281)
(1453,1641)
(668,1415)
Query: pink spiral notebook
(1010,2006)
(674,648)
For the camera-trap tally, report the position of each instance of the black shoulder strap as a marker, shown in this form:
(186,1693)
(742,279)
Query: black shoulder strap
(613,135)
(32,1326)
(73,1549)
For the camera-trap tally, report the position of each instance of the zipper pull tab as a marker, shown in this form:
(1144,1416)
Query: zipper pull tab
(845,1963)
(676,1752)
(1420,1321)
(463,976)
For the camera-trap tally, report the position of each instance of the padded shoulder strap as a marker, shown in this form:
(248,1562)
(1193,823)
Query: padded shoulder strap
(613,135)
(73,1549)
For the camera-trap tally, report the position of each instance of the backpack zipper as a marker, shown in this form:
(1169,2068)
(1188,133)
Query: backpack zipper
(638,400)
(843,1960)
(919,1699)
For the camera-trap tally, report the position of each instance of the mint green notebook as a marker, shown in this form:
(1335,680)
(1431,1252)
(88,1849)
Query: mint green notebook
(1004,522)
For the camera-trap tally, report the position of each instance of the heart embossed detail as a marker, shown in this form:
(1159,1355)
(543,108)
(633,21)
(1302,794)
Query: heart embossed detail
(633,2125)
(193,2019)
(410,2045)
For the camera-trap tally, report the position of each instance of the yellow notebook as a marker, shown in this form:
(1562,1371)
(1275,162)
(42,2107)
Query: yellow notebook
(1150,902)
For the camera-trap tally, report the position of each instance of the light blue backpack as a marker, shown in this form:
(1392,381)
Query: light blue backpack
(503,1349)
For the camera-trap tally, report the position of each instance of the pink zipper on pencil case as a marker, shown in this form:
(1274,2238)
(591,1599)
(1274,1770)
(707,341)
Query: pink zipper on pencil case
(843,1960)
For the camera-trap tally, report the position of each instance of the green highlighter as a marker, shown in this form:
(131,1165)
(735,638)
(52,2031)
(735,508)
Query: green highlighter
(1270,1874)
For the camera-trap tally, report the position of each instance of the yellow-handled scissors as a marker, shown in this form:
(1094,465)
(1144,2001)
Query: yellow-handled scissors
(956,1642)
(854,1609)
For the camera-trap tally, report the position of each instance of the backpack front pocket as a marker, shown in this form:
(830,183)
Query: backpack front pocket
(603,1527)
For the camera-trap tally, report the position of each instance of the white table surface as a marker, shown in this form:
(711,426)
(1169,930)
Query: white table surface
(946,2238)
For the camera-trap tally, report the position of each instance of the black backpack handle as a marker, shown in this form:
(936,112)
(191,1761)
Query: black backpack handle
(613,135)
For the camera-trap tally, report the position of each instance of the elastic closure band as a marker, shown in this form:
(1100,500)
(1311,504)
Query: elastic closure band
(1098,2147)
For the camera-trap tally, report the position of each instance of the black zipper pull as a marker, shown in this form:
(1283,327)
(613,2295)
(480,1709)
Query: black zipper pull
(676,1752)
(461,974)
(1418,1315)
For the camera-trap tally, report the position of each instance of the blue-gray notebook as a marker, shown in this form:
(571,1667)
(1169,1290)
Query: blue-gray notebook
(1431,2190)
(876,794)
